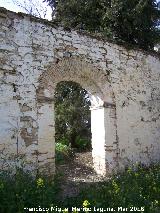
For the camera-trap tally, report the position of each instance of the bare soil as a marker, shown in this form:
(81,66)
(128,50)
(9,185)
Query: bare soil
(77,173)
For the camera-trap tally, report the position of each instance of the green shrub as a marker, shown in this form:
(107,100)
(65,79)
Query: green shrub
(63,152)
(82,144)
(64,141)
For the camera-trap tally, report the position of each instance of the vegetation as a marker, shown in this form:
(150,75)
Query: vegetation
(134,22)
(72,116)
(133,188)
(63,152)
(22,191)
(139,189)
(82,144)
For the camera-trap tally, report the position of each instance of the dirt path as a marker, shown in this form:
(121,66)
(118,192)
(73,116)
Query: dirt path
(77,173)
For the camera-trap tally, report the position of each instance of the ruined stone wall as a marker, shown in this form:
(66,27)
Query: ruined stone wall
(35,56)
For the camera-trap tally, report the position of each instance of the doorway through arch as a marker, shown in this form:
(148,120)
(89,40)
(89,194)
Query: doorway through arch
(72,116)
(103,113)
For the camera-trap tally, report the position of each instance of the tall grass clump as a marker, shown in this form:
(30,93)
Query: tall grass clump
(21,191)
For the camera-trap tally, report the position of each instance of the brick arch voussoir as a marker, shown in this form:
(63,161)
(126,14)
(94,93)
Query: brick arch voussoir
(78,70)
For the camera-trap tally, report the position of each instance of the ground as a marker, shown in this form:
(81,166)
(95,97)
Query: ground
(77,173)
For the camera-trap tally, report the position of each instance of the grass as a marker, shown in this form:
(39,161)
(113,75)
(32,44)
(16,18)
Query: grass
(22,191)
(139,189)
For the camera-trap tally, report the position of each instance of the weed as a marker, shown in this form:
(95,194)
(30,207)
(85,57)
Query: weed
(138,190)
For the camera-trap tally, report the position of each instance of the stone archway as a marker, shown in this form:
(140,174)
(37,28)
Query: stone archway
(103,113)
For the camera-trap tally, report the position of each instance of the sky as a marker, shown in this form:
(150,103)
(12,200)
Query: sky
(9,5)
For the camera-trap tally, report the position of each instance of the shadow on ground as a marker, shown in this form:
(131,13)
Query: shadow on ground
(77,174)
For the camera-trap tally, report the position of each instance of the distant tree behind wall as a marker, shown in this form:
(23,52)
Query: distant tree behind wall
(131,21)
(72,114)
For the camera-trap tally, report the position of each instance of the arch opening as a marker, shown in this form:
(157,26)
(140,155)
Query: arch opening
(73,126)
(73,148)
(103,117)
(72,115)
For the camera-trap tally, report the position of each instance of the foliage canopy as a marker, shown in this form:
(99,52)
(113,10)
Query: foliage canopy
(134,22)
(72,114)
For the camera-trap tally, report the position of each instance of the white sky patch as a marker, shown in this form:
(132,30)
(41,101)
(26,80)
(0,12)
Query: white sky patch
(9,5)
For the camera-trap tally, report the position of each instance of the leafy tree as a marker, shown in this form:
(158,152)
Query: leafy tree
(72,113)
(82,14)
(133,21)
